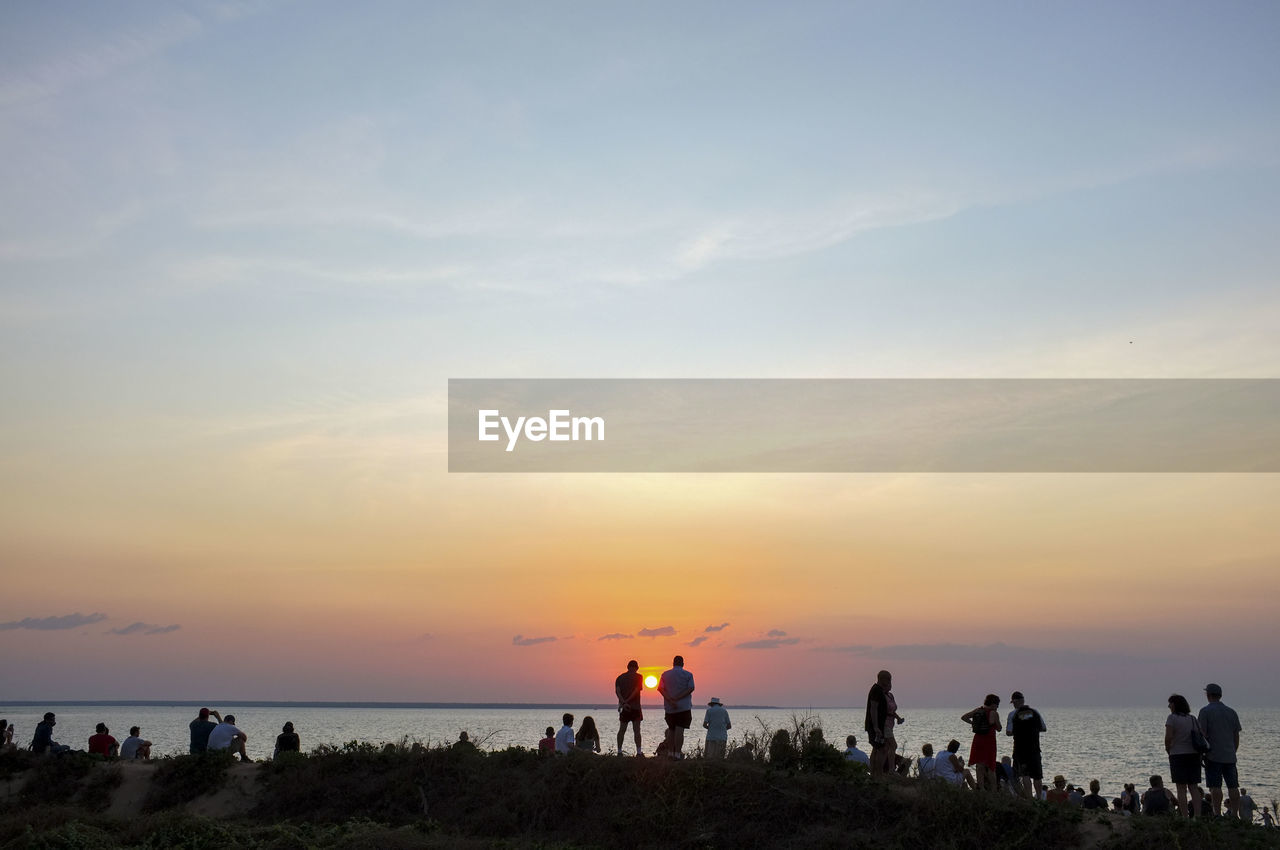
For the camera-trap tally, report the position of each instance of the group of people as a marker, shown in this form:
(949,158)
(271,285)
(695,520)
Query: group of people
(676,686)
(206,736)
(1208,740)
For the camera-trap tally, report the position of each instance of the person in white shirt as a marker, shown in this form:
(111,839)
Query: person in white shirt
(226,736)
(1247,806)
(852,753)
(716,721)
(564,738)
(676,687)
(134,747)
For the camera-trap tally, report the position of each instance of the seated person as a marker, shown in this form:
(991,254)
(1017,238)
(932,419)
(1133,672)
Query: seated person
(950,766)
(547,746)
(226,736)
(287,741)
(134,747)
(926,765)
(6,737)
(103,744)
(42,741)
(1157,800)
(1058,793)
(1093,800)
(464,743)
(852,753)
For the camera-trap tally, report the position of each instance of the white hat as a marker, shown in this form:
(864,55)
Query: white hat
(715,701)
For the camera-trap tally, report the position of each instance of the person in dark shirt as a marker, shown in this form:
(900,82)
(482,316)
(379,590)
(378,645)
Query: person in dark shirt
(1157,800)
(1093,800)
(628,688)
(42,741)
(200,729)
(287,741)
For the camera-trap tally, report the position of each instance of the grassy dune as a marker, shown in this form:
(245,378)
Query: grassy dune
(406,797)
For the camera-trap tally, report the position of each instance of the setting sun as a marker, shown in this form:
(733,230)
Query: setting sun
(651,681)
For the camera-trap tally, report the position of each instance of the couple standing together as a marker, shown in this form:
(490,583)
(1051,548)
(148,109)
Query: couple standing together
(676,687)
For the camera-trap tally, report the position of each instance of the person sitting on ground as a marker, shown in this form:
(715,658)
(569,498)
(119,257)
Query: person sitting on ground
(564,738)
(926,765)
(6,737)
(1267,821)
(1075,795)
(227,737)
(201,727)
(42,741)
(1094,800)
(134,747)
(1058,793)
(950,766)
(103,743)
(1157,800)
(852,753)
(287,741)
(1117,807)
(463,744)
(588,737)
(1130,800)
(547,746)
(1004,776)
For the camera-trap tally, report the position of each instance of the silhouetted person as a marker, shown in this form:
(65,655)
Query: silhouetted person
(200,729)
(227,736)
(676,687)
(287,741)
(1220,725)
(882,716)
(134,747)
(628,687)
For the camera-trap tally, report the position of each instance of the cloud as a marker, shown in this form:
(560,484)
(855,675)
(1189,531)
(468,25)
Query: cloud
(856,648)
(661,631)
(698,641)
(776,633)
(144,629)
(616,636)
(49,624)
(768,643)
(521,640)
(718,628)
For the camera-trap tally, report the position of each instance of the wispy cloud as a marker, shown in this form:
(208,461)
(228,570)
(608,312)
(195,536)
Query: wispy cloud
(768,643)
(661,631)
(776,633)
(698,641)
(144,629)
(616,636)
(854,648)
(521,640)
(998,652)
(718,628)
(49,624)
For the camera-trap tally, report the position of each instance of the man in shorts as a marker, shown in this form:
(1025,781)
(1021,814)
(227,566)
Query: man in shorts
(1025,725)
(1220,725)
(628,688)
(676,687)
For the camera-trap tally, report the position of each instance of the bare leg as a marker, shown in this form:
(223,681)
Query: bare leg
(1182,798)
(635,727)
(678,735)
(983,776)
(622,733)
(1233,801)
(1215,797)
(968,780)
(1197,798)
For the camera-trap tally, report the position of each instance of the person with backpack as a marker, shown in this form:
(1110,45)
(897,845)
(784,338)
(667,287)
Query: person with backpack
(985,721)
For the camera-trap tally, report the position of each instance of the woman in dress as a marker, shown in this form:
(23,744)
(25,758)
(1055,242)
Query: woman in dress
(1184,760)
(588,738)
(982,754)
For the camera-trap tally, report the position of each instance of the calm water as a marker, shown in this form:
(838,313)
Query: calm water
(1112,745)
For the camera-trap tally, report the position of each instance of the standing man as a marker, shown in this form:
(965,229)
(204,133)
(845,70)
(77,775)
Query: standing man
(882,715)
(716,722)
(676,687)
(628,688)
(1220,725)
(200,729)
(1025,725)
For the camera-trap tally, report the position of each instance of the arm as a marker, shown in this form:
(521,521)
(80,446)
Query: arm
(968,716)
(1168,737)
(213,713)
(995,720)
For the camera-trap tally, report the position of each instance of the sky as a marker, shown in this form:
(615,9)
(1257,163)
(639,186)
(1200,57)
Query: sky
(244,246)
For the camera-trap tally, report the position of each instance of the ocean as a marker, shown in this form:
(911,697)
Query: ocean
(1113,745)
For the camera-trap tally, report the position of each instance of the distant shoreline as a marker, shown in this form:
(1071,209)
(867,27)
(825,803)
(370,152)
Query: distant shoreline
(538,706)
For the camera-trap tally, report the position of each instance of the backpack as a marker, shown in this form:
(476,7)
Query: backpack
(981,722)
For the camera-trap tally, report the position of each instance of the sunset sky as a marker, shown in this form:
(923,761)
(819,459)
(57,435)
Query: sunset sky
(244,246)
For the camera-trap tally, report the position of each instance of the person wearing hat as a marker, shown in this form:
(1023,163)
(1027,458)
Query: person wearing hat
(1058,793)
(1220,725)
(716,722)
(200,729)
(1024,726)
(42,741)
